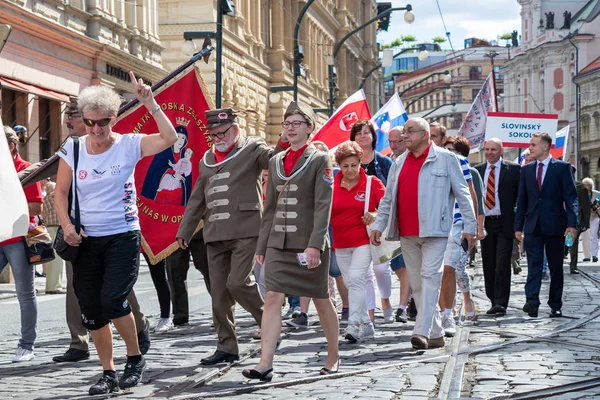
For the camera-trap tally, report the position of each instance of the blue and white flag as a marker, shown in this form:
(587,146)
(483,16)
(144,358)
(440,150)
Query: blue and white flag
(391,115)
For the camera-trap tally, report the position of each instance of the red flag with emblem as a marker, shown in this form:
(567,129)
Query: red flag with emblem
(165,181)
(337,129)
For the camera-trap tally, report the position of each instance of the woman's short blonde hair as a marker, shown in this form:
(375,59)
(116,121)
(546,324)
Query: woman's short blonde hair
(348,149)
(99,99)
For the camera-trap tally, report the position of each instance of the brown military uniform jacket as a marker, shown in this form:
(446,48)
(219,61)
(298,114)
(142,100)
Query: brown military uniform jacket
(228,197)
(297,211)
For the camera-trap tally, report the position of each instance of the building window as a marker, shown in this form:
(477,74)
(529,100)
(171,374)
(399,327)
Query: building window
(585,128)
(474,93)
(49,127)
(458,119)
(475,73)
(497,73)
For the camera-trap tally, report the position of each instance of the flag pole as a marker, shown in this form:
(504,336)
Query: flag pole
(204,53)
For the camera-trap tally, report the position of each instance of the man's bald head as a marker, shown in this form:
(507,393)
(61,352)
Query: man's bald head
(396,140)
(493,150)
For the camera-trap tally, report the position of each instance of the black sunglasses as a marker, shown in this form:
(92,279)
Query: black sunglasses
(220,135)
(100,122)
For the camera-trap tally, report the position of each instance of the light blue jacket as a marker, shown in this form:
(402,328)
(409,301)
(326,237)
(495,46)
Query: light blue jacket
(441,181)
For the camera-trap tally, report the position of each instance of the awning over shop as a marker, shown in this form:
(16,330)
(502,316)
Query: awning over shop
(37,90)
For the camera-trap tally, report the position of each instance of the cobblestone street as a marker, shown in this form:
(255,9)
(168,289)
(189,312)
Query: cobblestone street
(491,358)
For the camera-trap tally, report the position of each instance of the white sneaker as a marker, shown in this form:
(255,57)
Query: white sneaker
(23,355)
(367,331)
(352,333)
(388,316)
(164,325)
(449,325)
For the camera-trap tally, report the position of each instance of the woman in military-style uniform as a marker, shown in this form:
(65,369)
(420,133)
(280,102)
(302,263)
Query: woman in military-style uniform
(293,242)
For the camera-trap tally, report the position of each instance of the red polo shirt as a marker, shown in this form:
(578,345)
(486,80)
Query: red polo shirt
(348,208)
(408,194)
(33,194)
(291,158)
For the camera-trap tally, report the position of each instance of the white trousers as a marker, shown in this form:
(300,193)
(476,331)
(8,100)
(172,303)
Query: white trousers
(594,224)
(424,264)
(383,276)
(354,264)
(585,243)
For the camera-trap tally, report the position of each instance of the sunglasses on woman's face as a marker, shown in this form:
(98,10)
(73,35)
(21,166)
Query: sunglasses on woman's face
(100,122)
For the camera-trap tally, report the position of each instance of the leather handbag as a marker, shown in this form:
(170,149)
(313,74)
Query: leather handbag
(387,250)
(38,245)
(64,250)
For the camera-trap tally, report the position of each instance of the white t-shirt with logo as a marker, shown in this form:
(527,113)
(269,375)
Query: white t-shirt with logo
(105,185)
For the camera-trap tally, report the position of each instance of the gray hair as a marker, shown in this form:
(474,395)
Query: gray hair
(421,123)
(588,181)
(99,99)
(11,136)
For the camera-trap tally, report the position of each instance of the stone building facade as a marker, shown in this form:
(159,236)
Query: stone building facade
(258,53)
(58,47)
(558,39)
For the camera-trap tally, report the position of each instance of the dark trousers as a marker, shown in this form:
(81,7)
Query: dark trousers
(178,265)
(573,250)
(158,272)
(534,247)
(496,251)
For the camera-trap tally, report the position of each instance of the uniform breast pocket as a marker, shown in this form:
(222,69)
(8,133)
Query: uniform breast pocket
(439,178)
(249,206)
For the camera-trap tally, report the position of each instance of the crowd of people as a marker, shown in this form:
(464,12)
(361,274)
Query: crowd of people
(308,235)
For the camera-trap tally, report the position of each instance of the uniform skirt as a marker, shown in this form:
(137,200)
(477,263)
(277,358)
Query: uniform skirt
(283,274)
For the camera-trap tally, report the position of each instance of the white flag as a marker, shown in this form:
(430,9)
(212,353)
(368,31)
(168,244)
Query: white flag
(14,213)
(473,126)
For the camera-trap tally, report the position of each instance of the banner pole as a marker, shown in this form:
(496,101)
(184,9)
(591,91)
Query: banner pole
(205,52)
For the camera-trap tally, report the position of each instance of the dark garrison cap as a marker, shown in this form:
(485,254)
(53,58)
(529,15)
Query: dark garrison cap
(304,109)
(219,116)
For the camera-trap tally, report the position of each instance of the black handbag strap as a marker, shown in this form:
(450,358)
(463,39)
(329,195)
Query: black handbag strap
(77,221)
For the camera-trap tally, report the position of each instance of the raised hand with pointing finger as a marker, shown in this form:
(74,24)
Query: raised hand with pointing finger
(143,92)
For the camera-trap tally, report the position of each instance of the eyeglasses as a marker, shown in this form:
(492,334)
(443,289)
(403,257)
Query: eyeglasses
(395,141)
(295,124)
(100,122)
(409,132)
(219,135)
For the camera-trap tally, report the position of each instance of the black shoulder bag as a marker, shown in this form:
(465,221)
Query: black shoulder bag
(64,250)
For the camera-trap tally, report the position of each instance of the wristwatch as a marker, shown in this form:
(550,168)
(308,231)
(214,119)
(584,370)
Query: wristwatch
(155,109)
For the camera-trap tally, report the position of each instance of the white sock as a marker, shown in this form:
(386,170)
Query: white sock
(401,307)
(447,312)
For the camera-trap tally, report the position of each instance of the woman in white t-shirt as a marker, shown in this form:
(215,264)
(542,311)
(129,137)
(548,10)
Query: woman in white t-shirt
(109,242)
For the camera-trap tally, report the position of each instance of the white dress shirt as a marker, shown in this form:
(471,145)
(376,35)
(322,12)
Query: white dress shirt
(496,209)
(544,169)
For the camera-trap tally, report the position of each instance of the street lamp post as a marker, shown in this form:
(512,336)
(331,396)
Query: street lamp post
(364,78)
(297,46)
(453,108)
(423,95)
(447,79)
(409,17)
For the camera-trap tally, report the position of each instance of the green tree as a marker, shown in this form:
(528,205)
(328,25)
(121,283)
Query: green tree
(396,43)
(408,39)
(507,37)
(438,40)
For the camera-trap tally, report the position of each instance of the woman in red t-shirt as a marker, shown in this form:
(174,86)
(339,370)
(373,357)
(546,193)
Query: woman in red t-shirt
(350,237)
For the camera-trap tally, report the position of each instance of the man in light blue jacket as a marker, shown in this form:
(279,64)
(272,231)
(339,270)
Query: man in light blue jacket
(417,209)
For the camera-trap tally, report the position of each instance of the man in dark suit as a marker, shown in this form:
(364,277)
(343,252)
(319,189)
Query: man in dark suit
(501,181)
(547,209)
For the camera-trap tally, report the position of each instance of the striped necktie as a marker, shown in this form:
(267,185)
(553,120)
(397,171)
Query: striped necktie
(490,191)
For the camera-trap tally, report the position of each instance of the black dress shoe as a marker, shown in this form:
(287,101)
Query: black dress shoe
(72,355)
(411,311)
(181,321)
(144,339)
(517,270)
(556,314)
(219,357)
(594,259)
(586,260)
(574,271)
(531,310)
(496,310)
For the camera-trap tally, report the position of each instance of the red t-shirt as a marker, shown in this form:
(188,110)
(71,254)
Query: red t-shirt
(33,194)
(348,208)
(291,158)
(408,194)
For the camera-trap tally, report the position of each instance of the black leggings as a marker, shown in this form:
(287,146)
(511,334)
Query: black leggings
(158,272)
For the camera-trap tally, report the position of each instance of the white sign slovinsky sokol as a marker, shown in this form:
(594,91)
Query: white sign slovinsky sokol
(516,129)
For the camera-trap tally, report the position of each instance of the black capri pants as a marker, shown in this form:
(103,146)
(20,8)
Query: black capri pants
(103,275)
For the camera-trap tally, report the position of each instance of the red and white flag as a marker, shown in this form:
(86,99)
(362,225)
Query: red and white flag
(473,126)
(337,129)
(165,181)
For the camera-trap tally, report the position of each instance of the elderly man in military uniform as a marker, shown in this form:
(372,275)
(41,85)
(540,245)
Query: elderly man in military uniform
(227,197)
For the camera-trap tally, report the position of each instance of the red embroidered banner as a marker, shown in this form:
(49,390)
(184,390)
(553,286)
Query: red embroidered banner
(164,182)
